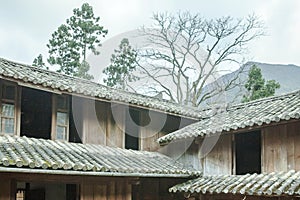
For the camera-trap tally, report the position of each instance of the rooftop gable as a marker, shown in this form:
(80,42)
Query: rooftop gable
(254,113)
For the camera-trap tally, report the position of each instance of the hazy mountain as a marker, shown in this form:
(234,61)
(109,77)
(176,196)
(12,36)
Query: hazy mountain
(287,75)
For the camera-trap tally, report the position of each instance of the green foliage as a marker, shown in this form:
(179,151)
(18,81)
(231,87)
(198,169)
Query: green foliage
(257,87)
(123,64)
(71,42)
(83,69)
(38,62)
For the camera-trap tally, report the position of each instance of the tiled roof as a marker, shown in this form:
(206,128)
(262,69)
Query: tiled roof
(255,113)
(281,183)
(55,81)
(35,154)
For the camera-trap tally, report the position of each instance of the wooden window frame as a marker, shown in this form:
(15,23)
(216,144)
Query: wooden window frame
(55,111)
(15,102)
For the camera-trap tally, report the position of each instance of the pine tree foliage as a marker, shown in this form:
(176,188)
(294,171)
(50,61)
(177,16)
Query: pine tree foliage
(257,87)
(71,42)
(39,62)
(122,67)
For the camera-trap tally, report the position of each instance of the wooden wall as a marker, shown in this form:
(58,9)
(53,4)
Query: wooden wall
(94,123)
(212,155)
(100,126)
(115,131)
(95,187)
(120,190)
(104,123)
(219,159)
(281,147)
(159,125)
(155,188)
(151,130)
(184,151)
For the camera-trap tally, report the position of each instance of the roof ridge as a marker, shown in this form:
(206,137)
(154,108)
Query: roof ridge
(267,98)
(85,80)
(238,105)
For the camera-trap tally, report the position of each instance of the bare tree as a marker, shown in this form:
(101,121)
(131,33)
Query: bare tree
(186,52)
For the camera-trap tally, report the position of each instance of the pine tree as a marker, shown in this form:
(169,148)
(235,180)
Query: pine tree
(39,62)
(123,64)
(257,87)
(71,42)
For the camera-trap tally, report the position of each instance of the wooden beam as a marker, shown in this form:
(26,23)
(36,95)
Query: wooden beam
(18,107)
(70,179)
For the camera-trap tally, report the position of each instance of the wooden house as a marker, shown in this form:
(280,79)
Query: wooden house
(67,138)
(245,151)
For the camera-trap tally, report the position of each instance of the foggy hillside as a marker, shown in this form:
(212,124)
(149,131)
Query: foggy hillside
(287,75)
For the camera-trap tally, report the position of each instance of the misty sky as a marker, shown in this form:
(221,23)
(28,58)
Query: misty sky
(26,26)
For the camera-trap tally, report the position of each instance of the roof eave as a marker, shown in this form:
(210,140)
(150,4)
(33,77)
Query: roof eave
(91,173)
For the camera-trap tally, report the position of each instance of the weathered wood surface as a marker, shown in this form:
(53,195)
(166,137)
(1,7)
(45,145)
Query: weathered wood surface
(281,147)
(219,159)
(94,122)
(115,131)
(112,190)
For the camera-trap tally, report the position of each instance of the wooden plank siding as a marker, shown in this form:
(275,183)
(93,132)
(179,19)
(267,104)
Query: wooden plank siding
(147,189)
(149,132)
(104,123)
(99,125)
(115,131)
(96,187)
(281,147)
(94,122)
(159,125)
(219,159)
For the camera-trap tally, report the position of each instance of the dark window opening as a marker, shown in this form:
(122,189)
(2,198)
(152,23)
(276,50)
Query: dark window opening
(248,152)
(36,113)
(173,123)
(72,192)
(132,129)
(43,191)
